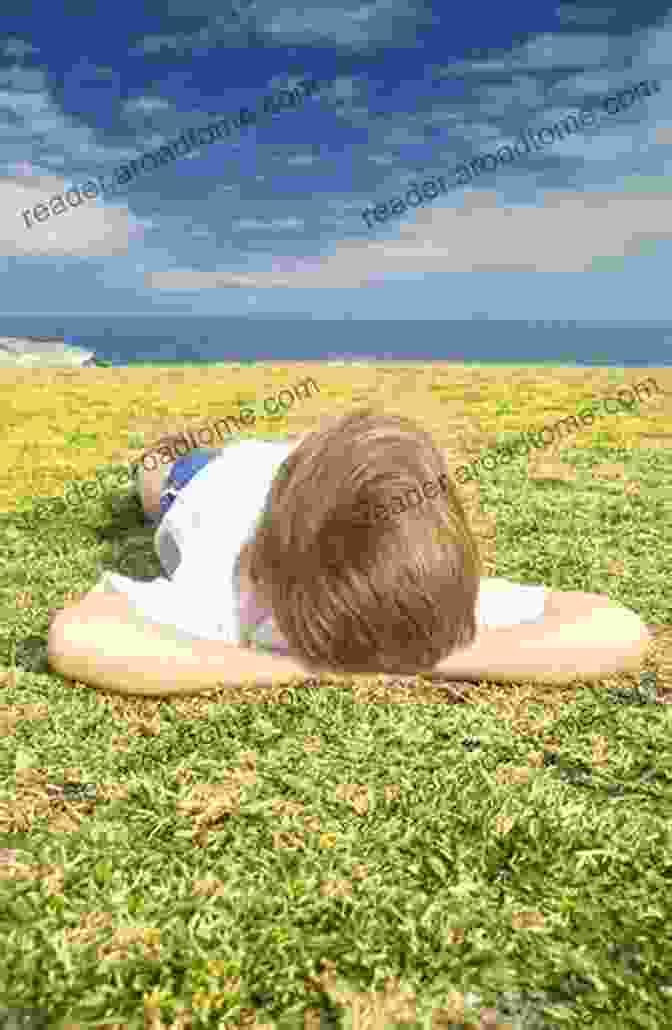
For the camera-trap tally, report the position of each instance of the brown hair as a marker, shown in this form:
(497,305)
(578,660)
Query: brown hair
(391,596)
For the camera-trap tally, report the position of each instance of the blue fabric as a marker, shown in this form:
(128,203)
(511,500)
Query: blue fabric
(182,472)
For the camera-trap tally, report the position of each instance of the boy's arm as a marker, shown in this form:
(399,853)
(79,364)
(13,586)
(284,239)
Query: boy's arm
(581,636)
(296,438)
(102,641)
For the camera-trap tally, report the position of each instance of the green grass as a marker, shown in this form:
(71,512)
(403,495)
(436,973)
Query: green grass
(513,852)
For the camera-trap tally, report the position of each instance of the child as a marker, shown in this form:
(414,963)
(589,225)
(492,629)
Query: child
(264,544)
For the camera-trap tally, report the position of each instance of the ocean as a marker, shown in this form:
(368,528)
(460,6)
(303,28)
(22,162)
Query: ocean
(123,340)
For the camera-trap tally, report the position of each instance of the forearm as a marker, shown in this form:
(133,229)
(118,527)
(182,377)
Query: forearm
(556,650)
(104,643)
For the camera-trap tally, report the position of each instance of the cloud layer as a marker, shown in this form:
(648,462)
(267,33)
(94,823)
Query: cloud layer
(278,212)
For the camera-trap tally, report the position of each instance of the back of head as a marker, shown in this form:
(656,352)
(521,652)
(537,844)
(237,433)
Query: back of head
(396,593)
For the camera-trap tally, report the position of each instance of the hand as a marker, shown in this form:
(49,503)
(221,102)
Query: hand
(296,438)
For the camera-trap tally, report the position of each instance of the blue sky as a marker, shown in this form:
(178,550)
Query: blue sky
(270,220)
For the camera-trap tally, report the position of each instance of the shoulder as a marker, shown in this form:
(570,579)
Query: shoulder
(251,464)
(566,603)
(502,603)
(260,452)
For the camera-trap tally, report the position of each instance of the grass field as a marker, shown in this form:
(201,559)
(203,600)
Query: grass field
(364,853)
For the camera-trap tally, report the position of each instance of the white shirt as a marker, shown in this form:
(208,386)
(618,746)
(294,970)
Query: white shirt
(210,520)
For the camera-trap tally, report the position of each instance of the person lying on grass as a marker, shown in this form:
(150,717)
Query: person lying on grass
(310,550)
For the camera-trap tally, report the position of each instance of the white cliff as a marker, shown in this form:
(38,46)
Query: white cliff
(44,351)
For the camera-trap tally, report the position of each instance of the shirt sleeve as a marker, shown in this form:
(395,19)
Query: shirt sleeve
(503,603)
(205,529)
(191,613)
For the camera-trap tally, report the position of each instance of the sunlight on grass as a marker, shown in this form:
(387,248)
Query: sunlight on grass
(384,853)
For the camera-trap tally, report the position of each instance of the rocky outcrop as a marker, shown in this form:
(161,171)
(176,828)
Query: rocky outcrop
(29,351)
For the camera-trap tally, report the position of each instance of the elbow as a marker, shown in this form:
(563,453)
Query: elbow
(633,636)
(620,637)
(644,635)
(57,637)
(643,638)
(66,646)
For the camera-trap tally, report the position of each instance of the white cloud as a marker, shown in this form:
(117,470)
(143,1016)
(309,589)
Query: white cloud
(382,159)
(543,53)
(222,30)
(30,119)
(401,135)
(522,93)
(350,24)
(26,80)
(280,223)
(586,15)
(189,280)
(92,229)
(302,159)
(17,48)
(145,105)
(566,234)
(551,50)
